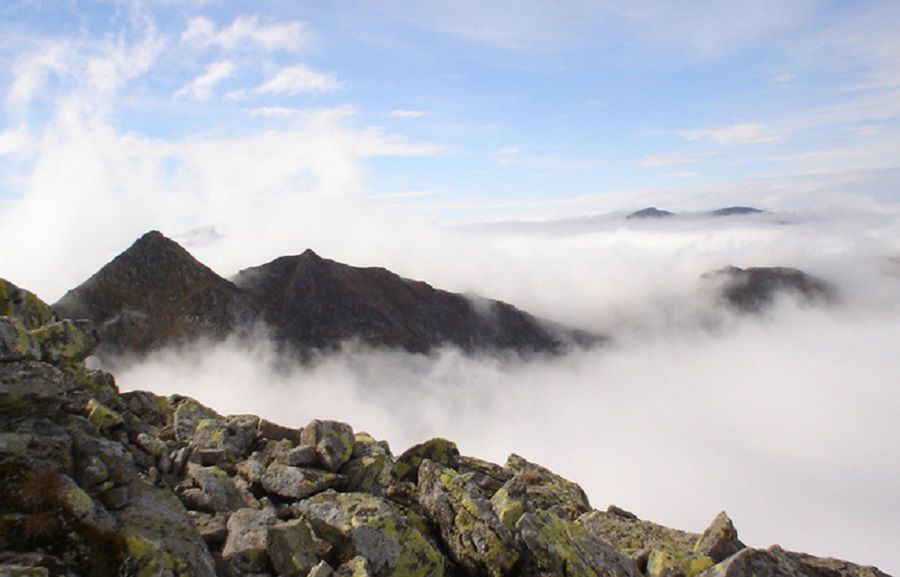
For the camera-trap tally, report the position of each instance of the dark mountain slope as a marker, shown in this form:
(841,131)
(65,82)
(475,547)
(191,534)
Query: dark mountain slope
(154,294)
(736,210)
(650,212)
(753,289)
(314,302)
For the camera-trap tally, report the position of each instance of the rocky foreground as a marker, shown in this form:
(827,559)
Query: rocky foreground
(98,483)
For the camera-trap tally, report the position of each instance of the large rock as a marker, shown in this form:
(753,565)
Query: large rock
(246,548)
(656,549)
(16,343)
(438,450)
(294,483)
(469,528)
(24,305)
(556,546)
(292,548)
(66,341)
(358,524)
(720,540)
(211,490)
(333,442)
(776,562)
(547,490)
(187,415)
(160,532)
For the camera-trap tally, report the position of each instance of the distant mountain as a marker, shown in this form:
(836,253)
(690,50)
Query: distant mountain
(753,289)
(650,212)
(155,293)
(736,210)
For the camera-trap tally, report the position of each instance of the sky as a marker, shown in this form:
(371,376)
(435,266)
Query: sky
(493,148)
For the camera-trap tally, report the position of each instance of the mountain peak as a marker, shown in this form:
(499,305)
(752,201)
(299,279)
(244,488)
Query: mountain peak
(153,293)
(650,212)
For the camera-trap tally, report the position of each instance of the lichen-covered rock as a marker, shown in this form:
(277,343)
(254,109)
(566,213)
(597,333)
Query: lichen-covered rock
(488,476)
(365,445)
(155,516)
(246,548)
(216,441)
(252,468)
(439,450)
(372,473)
(24,305)
(294,483)
(66,341)
(292,548)
(333,442)
(776,562)
(547,490)
(720,540)
(365,525)
(150,408)
(211,490)
(275,432)
(187,414)
(212,527)
(668,562)
(34,389)
(16,343)
(356,567)
(510,501)
(644,541)
(300,456)
(102,416)
(323,569)
(471,531)
(556,546)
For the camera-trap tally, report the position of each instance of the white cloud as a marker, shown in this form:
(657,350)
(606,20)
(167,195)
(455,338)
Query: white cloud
(16,140)
(31,71)
(735,134)
(298,78)
(676,158)
(201,87)
(203,33)
(405,113)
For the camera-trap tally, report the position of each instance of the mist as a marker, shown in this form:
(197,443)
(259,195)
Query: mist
(789,423)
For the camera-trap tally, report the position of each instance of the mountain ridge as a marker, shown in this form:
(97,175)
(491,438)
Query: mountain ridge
(155,294)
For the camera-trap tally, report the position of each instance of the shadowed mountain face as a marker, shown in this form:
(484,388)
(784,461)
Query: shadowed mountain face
(753,289)
(736,210)
(651,212)
(156,293)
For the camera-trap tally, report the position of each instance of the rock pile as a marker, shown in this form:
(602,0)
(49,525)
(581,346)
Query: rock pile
(98,483)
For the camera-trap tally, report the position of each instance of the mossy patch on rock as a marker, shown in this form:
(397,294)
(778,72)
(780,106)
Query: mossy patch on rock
(102,416)
(469,527)
(365,525)
(438,450)
(16,343)
(24,305)
(557,546)
(547,490)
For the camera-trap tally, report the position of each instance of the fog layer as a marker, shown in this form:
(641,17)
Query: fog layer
(789,421)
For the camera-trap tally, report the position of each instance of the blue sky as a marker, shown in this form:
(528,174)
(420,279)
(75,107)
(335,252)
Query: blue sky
(469,107)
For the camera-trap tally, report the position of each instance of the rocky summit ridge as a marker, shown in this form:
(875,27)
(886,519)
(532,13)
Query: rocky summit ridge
(94,482)
(156,294)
